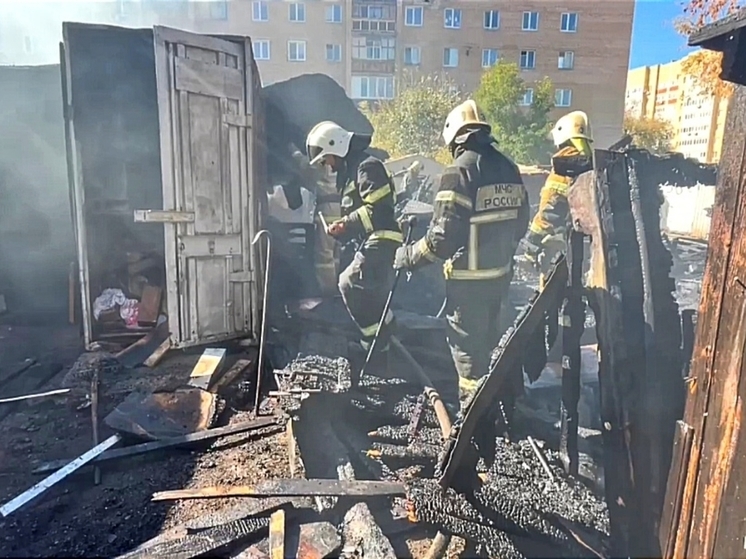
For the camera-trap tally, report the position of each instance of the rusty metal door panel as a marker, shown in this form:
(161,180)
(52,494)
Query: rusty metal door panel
(204,111)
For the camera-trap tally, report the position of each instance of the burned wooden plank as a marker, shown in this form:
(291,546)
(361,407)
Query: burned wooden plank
(507,356)
(277,535)
(32,379)
(675,488)
(211,540)
(135,354)
(172,442)
(150,306)
(207,366)
(230,375)
(24,498)
(291,488)
(159,353)
(312,540)
(573,326)
(711,320)
(6,377)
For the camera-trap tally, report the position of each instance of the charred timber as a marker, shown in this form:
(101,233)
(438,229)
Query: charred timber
(726,36)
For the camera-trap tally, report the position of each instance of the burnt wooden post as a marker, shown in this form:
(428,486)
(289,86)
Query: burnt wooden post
(573,325)
(707,502)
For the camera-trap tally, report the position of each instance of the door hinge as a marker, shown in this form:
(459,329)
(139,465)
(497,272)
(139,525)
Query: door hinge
(163,216)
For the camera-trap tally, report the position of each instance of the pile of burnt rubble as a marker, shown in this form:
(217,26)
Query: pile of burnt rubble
(390,432)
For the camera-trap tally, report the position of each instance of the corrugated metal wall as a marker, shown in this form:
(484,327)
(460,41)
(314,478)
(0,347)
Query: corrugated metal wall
(686,210)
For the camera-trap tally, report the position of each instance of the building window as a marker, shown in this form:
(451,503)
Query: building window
(372,87)
(528,59)
(297,12)
(369,48)
(492,19)
(259,11)
(411,56)
(334,13)
(563,97)
(28,44)
(452,18)
(528,97)
(566,60)
(297,51)
(219,9)
(450,57)
(569,22)
(334,53)
(530,21)
(489,57)
(374,18)
(261,50)
(413,16)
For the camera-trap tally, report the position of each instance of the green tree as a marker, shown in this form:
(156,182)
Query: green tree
(521,131)
(649,133)
(412,122)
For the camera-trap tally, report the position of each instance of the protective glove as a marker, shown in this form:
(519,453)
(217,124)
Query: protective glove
(532,247)
(336,229)
(403,258)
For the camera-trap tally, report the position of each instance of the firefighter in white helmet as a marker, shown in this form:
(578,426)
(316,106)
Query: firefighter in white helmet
(572,137)
(367,217)
(480,214)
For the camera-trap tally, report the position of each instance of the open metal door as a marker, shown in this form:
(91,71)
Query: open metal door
(204,104)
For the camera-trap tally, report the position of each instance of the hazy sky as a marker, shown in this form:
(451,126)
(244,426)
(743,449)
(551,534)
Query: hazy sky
(654,39)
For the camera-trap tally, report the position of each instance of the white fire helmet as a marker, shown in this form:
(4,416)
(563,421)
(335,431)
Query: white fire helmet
(464,115)
(571,126)
(327,138)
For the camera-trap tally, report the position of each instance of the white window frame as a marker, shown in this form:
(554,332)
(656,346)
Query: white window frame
(412,62)
(566,60)
(375,83)
(262,8)
(559,97)
(487,63)
(219,10)
(566,17)
(528,97)
(297,12)
(415,11)
(336,50)
(450,51)
(489,16)
(530,54)
(374,48)
(297,44)
(259,55)
(524,27)
(455,14)
(332,11)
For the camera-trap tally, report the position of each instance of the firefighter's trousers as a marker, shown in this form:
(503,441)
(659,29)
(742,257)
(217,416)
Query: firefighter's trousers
(474,329)
(365,286)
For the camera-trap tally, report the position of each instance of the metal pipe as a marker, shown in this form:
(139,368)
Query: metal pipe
(255,240)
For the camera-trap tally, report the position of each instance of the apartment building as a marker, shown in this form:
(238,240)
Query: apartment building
(664,92)
(371,46)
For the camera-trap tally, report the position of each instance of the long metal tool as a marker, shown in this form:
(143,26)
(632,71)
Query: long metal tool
(290,488)
(411,222)
(13,505)
(260,363)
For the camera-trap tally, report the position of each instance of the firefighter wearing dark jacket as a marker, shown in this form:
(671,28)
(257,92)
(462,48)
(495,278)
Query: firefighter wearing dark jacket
(480,214)
(546,235)
(367,208)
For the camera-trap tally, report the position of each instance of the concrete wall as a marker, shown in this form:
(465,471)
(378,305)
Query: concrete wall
(36,237)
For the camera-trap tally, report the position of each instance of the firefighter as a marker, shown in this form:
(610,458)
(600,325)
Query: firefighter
(480,214)
(546,236)
(367,208)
